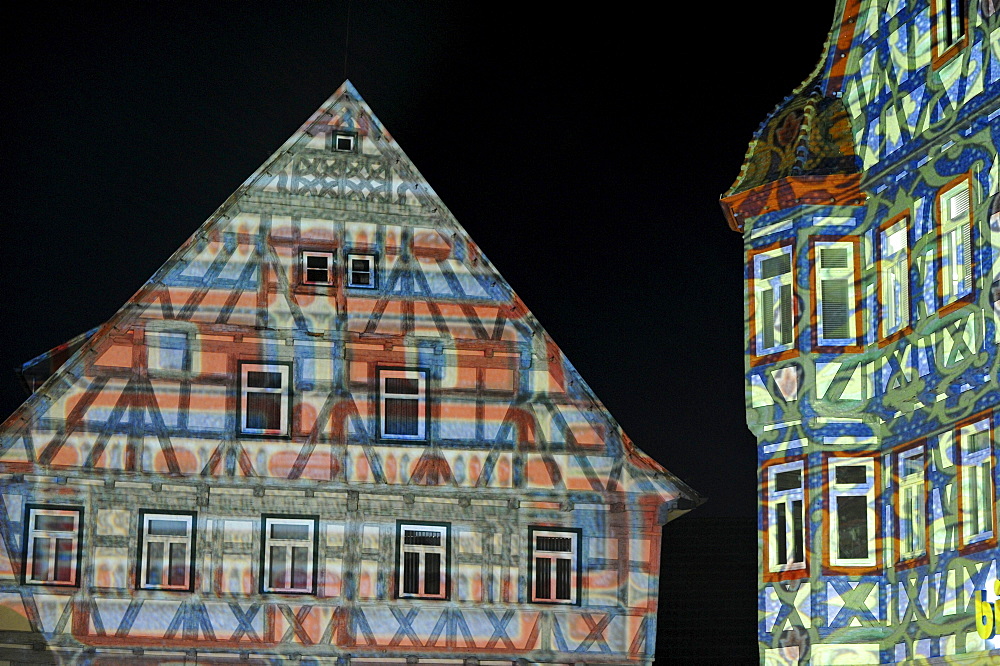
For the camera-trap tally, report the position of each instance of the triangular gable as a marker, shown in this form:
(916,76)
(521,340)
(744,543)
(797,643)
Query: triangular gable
(240,278)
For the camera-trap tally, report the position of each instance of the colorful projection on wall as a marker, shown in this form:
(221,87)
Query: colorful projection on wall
(869,207)
(327,429)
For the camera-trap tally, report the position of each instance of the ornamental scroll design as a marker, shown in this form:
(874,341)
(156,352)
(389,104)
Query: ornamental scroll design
(351,177)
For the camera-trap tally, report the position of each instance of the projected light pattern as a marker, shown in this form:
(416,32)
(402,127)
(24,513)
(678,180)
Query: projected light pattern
(871,364)
(328,429)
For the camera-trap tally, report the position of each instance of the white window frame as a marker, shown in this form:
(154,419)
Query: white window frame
(865,490)
(269,542)
(167,350)
(309,254)
(349,268)
(34,532)
(187,539)
(912,503)
(955,214)
(422,551)
(284,390)
(571,556)
(826,274)
(977,487)
(420,398)
(781,290)
(349,137)
(894,277)
(781,504)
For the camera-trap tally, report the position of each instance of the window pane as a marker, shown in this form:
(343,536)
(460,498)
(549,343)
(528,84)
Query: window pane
(313,261)
(421,538)
(432,573)
(256,379)
(543,585)
(411,562)
(786,314)
(401,416)
(774,266)
(833,257)
(913,465)
(790,480)
(317,275)
(562,579)
(852,526)
(797,553)
(263,410)
(399,385)
(554,544)
(154,563)
(278,578)
(834,306)
(767,317)
(987,502)
(54,523)
(361,279)
(300,568)
(289,531)
(178,563)
(159,527)
(852,474)
(64,560)
(780,533)
(41,553)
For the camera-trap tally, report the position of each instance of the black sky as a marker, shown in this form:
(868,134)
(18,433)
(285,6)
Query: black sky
(583,150)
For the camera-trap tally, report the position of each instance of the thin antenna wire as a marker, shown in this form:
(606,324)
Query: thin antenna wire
(347,37)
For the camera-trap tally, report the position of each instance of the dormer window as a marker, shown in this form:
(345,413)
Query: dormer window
(343,143)
(317,268)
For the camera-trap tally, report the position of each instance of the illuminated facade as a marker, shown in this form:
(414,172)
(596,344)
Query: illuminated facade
(328,430)
(871,223)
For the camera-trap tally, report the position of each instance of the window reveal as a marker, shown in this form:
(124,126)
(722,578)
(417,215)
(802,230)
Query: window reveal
(403,403)
(317,268)
(955,251)
(361,271)
(167,551)
(264,398)
(289,554)
(554,566)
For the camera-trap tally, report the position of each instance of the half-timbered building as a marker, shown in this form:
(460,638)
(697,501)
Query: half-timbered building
(326,430)
(869,209)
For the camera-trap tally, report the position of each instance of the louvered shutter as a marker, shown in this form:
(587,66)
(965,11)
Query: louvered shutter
(836,281)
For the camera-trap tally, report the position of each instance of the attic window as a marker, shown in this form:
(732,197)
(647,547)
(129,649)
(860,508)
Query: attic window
(361,271)
(264,398)
(343,143)
(317,268)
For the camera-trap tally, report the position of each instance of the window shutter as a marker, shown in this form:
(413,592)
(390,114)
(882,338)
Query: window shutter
(966,255)
(834,294)
(767,318)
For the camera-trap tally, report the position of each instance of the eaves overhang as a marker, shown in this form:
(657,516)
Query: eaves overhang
(791,191)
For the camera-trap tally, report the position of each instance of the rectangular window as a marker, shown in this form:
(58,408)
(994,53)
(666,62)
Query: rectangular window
(344,143)
(911,503)
(361,271)
(265,397)
(166,551)
(851,511)
(785,513)
(949,18)
(555,565)
(166,350)
(773,306)
(289,554)
(422,554)
(403,403)
(317,268)
(52,545)
(955,250)
(834,288)
(978,498)
(894,277)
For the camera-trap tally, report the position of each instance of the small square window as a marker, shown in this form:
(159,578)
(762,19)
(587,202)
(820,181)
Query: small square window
(289,550)
(403,403)
(265,397)
(423,551)
(167,350)
(166,551)
(361,271)
(52,545)
(317,268)
(343,143)
(555,565)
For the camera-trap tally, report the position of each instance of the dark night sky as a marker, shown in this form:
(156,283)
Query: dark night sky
(584,152)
